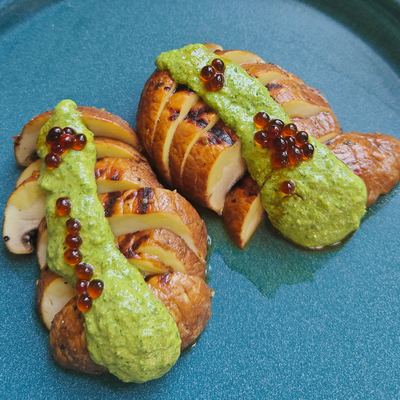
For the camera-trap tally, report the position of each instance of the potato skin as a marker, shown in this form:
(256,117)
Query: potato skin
(188,300)
(68,341)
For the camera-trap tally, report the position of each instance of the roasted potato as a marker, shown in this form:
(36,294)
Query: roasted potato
(68,341)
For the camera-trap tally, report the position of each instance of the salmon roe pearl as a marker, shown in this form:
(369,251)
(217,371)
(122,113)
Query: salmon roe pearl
(73,226)
(261,119)
(278,122)
(261,138)
(308,150)
(73,256)
(216,83)
(84,271)
(53,135)
(280,160)
(73,241)
(52,160)
(287,187)
(274,131)
(66,141)
(84,302)
(81,286)
(280,144)
(69,131)
(79,142)
(218,64)
(290,129)
(57,148)
(63,205)
(301,137)
(295,155)
(207,73)
(95,288)
(291,142)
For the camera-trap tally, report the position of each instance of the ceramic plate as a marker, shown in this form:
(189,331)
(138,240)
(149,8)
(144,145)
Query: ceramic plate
(287,323)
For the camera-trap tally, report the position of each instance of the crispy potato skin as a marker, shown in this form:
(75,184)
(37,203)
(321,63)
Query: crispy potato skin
(374,157)
(237,206)
(132,243)
(68,341)
(188,300)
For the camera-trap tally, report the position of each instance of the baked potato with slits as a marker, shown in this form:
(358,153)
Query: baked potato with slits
(158,231)
(193,159)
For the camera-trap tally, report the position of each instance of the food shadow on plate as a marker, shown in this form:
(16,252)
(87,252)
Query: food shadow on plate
(268,260)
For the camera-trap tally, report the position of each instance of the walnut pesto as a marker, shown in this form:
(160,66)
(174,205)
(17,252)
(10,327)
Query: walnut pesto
(329,199)
(127,329)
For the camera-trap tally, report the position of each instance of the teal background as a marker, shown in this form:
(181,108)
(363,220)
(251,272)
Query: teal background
(287,323)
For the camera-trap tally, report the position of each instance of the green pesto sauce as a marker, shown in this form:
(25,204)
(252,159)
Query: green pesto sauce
(329,199)
(128,330)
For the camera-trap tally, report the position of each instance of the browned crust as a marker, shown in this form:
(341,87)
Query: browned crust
(137,171)
(322,126)
(201,159)
(272,71)
(157,89)
(158,201)
(172,111)
(286,91)
(374,157)
(198,118)
(67,341)
(188,300)
(237,206)
(133,243)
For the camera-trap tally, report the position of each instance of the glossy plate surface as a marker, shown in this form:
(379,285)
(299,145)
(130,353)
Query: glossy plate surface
(287,323)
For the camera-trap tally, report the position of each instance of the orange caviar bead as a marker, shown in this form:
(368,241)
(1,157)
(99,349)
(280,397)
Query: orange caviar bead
(295,155)
(53,135)
(218,65)
(73,241)
(84,302)
(81,286)
(95,288)
(69,131)
(66,141)
(290,129)
(279,159)
(301,137)
(207,73)
(73,256)
(52,160)
(63,205)
(261,138)
(84,271)
(57,148)
(73,226)
(308,150)
(79,142)
(216,83)
(261,119)
(287,187)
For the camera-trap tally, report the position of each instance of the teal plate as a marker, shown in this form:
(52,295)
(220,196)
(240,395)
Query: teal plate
(287,323)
